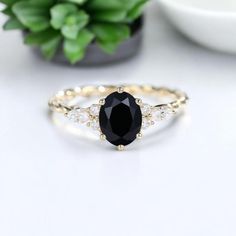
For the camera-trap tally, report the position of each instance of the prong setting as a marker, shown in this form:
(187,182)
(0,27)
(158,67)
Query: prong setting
(139,136)
(120,89)
(120,147)
(139,101)
(103,137)
(102,102)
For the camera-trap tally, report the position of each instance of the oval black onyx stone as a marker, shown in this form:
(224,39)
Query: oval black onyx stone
(120,118)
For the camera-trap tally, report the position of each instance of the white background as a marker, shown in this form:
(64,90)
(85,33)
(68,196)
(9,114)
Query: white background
(181,181)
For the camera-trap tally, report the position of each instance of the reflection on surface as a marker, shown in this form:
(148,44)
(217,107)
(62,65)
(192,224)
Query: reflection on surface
(164,131)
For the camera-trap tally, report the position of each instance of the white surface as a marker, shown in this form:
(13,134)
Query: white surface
(178,182)
(209,23)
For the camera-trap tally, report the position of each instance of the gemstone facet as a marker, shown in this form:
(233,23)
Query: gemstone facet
(120,118)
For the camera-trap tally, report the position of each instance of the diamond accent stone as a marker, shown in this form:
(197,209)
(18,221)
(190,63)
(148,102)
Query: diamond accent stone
(146,109)
(146,123)
(160,113)
(94,110)
(95,125)
(152,115)
(79,115)
(73,115)
(83,116)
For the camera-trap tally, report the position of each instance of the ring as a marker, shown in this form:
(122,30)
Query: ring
(119,117)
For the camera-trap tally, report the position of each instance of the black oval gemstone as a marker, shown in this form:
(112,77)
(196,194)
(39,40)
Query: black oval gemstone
(120,118)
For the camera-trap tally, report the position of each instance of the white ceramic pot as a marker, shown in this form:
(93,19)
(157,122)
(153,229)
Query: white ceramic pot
(211,23)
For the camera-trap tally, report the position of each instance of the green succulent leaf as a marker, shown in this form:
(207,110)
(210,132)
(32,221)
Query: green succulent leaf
(8,11)
(111,32)
(108,47)
(13,23)
(59,13)
(109,15)
(74,50)
(111,4)
(80,2)
(136,11)
(109,36)
(42,3)
(33,17)
(48,41)
(50,47)
(74,23)
(8,2)
(39,38)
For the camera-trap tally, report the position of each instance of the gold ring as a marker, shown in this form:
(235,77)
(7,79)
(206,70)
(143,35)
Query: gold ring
(119,117)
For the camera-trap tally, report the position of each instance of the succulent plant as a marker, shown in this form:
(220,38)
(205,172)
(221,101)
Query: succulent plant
(72,24)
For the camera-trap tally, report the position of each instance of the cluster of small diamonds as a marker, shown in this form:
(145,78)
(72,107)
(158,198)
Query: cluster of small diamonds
(87,116)
(152,115)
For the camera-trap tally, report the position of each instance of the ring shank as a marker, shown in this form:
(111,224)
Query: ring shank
(60,102)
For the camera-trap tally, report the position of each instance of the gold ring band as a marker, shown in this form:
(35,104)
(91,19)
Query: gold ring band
(118,111)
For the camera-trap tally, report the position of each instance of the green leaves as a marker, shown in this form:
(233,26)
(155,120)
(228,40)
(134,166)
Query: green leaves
(7,11)
(97,5)
(73,24)
(77,1)
(69,19)
(50,47)
(109,36)
(75,49)
(42,3)
(116,11)
(8,2)
(110,16)
(59,13)
(136,11)
(13,23)
(31,16)
(48,41)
